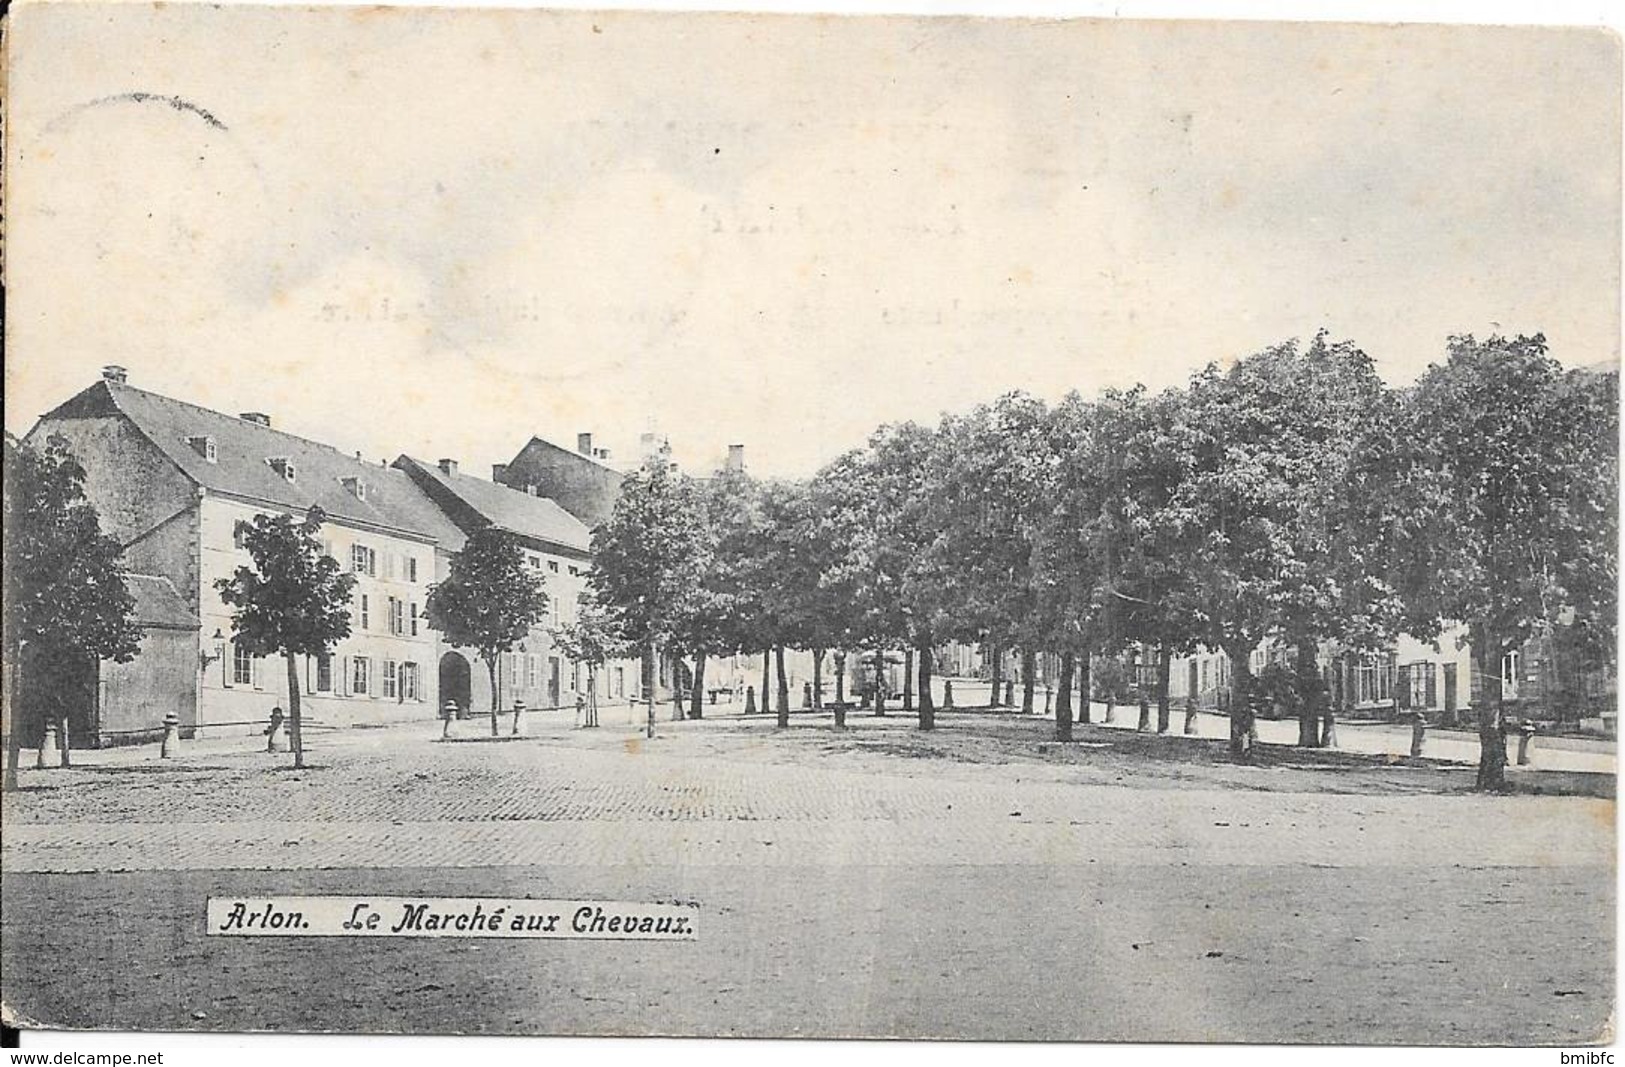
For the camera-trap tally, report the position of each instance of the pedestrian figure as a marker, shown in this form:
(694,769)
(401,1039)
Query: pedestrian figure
(273,732)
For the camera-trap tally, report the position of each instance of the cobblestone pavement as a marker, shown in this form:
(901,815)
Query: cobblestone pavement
(713,794)
(973,883)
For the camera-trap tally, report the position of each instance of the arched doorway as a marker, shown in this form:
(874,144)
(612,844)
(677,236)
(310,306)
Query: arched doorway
(454,681)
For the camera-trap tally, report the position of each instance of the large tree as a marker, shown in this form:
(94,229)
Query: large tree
(294,600)
(489,601)
(989,476)
(1271,444)
(1521,457)
(65,597)
(649,560)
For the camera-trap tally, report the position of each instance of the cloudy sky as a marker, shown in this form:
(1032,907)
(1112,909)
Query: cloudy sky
(443,232)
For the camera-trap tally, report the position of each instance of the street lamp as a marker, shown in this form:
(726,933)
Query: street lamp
(218,642)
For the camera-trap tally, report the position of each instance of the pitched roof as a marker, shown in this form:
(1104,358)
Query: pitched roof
(242,448)
(157,604)
(534,517)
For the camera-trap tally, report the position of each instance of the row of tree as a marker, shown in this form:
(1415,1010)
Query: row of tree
(1290,495)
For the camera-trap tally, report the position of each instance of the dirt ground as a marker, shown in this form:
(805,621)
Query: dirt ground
(981,882)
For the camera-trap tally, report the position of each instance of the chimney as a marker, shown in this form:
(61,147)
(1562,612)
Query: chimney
(584,443)
(448,466)
(115,373)
(601,453)
(499,472)
(736,458)
(646,444)
(531,490)
(259,418)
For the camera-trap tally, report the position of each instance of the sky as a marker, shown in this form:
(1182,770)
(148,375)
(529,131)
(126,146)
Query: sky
(443,232)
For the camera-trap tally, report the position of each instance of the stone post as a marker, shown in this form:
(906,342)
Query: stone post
(750,700)
(518,710)
(448,715)
(50,754)
(172,735)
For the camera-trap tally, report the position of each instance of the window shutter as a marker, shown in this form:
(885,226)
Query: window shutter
(1403,678)
(1432,685)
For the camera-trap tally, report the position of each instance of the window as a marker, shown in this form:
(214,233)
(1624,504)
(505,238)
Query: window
(414,618)
(1511,668)
(397,616)
(553,565)
(283,466)
(242,666)
(390,679)
(1422,686)
(364,620)
(409,681)
(534,560)
(355,487)
(239,533)
(389,564)
(530,672)
(360,675)
(324,674)
(204,446)
(363,560)
(412,570)
(1206,669)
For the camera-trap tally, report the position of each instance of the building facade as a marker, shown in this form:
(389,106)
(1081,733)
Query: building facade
(177,484)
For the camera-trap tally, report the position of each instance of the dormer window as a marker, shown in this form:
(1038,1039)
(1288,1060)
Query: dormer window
(203,445)
(356,488)
(283,466)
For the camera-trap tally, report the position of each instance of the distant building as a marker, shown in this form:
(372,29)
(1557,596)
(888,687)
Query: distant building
(581,481)
(556,545)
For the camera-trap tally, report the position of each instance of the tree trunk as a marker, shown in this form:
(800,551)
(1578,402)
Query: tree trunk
(296,737)
(767,679)
(1242,732)
(63,745)
(840,678)
(1029,667)
(784,687)
(818,679)
(592,697)
(649,676)
(491,670)
(928,716)
(1063,700)
(1165,670)
(880,682)
(1085,712)
(676,685)
(1306,680)
(1140,693)
(908,680)
(1492,727)
(696,702)
(14,743)
(997,677)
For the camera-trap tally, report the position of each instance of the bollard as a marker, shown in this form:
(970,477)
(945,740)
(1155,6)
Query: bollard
(581,706)
(1111,710)
(806,694)
(750,700)
(518,710)
(1328,730)
(273,732)
(1419,729)
(1190,715)
(1009,694)
(1526,738)
(172,735)
(947,694)
(447,713)
(49,753)
(1048,697)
